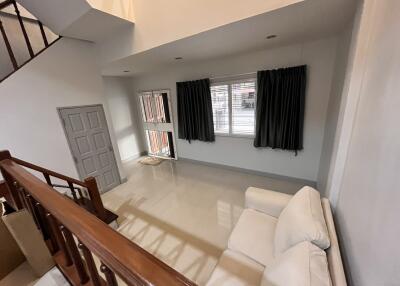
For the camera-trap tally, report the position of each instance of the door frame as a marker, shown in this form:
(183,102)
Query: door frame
(139,107)
(59,109)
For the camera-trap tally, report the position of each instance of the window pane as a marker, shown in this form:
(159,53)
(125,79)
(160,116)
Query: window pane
(159,108)
(243,107)
(158,143)
(219,97)
(146,101)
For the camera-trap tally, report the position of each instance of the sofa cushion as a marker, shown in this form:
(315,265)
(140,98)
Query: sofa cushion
(302,265)
(266,201)
(235,269)
(253,236)
(301,220)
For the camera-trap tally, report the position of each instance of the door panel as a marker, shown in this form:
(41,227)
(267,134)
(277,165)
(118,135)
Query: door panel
(87,133)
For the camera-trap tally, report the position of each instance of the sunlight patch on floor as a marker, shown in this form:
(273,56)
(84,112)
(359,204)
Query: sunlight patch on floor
(183,213)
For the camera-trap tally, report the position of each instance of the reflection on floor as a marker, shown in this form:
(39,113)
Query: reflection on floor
(184,212)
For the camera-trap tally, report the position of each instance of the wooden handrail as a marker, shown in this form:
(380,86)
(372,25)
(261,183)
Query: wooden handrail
(47,171)
(132,264)
(93,203)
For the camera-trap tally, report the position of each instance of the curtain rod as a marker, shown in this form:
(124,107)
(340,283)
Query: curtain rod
(233,76)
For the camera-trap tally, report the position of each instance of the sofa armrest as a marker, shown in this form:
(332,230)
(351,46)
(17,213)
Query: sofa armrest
(266,201)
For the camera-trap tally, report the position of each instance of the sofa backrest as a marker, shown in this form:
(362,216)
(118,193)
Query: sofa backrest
(333,252)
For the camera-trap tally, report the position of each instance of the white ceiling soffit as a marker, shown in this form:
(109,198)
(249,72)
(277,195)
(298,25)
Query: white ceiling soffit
(76,18)
(119,8)
(305,21)
(56,14)
(94,26)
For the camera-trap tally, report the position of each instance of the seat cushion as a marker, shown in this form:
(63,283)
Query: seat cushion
(253,236)
(301,220)
(235,269)
(304,264)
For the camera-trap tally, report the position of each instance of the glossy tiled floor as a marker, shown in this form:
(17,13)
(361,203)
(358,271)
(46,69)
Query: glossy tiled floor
(184,212)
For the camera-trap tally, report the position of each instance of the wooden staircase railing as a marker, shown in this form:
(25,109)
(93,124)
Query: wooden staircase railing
(91,201)
(13,60)
(74,235)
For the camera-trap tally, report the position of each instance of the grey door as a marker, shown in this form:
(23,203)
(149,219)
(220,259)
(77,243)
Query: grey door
(89,140)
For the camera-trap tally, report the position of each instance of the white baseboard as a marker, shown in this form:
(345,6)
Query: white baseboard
(254,172)
(134,157)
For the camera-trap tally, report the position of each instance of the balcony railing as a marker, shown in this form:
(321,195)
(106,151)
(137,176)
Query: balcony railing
(23,37)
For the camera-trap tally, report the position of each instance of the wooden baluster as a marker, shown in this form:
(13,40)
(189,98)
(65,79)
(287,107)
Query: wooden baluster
(20,194)
(45,228)
(46,43)
(8,46)
(71,187)
(95,198)
(17,203)
(21,23)
(94,275)
(15,199)
(60,239)
(42,221)
(26,202)
(76,257)
(110,276)
(81,199)
(34,212)
(48,180)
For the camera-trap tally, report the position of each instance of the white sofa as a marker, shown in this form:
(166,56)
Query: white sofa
(282,240)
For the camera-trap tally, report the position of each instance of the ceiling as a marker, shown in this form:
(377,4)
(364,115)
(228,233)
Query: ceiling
(76,18)
(305,21)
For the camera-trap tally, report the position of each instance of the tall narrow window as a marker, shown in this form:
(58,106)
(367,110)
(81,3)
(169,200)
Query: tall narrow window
(234,107)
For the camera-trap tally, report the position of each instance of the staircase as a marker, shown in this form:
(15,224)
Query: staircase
(23,37)
(76,237)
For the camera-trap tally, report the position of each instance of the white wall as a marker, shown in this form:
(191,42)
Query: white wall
(239,152)
(124,118)
(367,210)
(172,17)
(158,22)
(121,8)
(63,75)
(349,100)
(343,49)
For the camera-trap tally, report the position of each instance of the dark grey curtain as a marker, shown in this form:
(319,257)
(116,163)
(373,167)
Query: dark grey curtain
(280,108)
(195,118)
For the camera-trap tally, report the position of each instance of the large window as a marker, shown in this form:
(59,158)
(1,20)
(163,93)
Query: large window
(234,106)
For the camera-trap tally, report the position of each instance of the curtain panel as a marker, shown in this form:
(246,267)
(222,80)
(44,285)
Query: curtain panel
(195,117)
(280,108)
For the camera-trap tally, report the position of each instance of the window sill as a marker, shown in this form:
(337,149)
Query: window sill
(235,135)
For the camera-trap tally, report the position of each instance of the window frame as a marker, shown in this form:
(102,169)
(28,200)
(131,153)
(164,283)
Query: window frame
(229,83)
